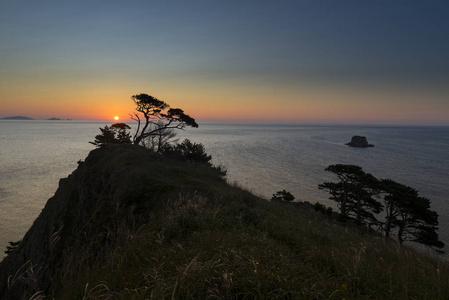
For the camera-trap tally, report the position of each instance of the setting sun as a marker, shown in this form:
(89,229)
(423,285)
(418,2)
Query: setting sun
(116,118)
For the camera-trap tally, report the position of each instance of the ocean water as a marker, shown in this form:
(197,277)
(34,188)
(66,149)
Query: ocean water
(263,158)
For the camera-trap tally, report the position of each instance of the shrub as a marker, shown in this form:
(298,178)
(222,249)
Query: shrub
(283,196)
(322,208)
(191,152)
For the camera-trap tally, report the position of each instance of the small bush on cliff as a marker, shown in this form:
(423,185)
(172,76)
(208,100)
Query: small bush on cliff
(116,134)
(323,209)
(188,151)
(12,246)
(191,152)
(283,196)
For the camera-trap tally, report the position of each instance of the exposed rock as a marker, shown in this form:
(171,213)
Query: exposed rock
(359,141)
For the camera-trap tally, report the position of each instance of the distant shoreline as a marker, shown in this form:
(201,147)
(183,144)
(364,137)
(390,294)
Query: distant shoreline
(21,118)
(16,118)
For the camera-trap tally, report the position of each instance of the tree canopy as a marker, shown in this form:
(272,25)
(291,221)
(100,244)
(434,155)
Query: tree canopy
(354,193)
(154,117)
(410,214)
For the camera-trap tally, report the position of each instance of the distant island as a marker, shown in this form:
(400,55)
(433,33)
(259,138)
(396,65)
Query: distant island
(16,118)
(26,118)
(58,119)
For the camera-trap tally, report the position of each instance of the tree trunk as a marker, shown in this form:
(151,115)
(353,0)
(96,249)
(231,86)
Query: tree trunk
(344,200)
(359,211)
(400,232)
(387,227)
(389,219)
(137,140)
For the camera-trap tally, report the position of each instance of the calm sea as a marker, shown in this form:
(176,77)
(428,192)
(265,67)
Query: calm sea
(263,158)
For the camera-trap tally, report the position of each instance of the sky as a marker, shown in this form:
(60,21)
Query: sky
(351,62)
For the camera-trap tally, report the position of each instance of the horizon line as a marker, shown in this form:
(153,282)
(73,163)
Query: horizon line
(253,122)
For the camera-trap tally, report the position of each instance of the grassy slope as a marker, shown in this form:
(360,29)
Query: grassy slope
(201,238)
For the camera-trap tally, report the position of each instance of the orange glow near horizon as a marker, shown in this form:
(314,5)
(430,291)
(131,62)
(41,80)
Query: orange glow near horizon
(235,104)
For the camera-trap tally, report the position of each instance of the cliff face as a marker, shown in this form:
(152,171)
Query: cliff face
(96,194)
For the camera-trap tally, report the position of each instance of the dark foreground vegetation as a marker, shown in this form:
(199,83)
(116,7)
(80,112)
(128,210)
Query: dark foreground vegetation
(131,223)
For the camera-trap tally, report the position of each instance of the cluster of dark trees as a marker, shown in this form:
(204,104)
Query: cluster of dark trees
(156,124)
(363,198)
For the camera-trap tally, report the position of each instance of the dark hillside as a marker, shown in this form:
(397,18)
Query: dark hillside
(132,224)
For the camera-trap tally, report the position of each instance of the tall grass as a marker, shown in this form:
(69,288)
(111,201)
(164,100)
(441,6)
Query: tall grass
(263,250)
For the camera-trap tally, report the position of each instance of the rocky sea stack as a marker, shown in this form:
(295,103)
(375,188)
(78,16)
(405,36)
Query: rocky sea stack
(359,141)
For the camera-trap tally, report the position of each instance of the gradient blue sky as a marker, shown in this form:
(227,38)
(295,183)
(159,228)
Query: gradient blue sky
(283,61)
